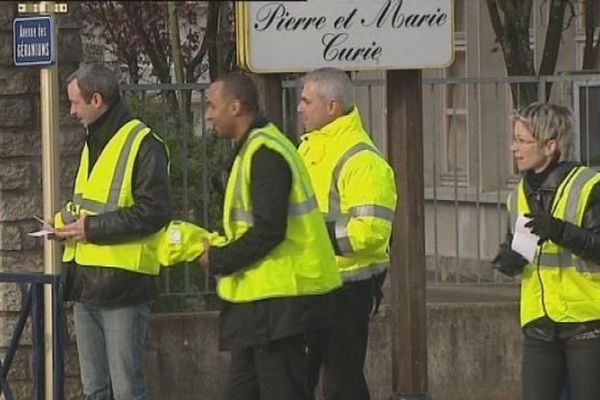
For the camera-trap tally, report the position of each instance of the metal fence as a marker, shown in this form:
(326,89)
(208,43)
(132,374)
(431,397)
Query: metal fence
(469,168)
(175,113)
(468,171)
(33,306)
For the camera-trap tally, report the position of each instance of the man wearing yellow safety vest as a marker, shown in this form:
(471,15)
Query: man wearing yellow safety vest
(356,193)
(276,269)
(111,228)
(558,201)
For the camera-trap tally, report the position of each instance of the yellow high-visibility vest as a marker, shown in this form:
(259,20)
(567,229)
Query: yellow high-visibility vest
(304,263)
(108,188)
(563,287)
(355,189)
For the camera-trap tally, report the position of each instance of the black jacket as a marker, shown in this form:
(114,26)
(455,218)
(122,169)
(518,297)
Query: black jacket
(113,287)
(583,241)
(260,322)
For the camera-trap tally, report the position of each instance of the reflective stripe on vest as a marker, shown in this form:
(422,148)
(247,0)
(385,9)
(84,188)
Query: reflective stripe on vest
(112,203)
(571,210)
(294,210)
(564,258)
(364,210)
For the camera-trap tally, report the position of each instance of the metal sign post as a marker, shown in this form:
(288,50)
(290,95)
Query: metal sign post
(35,44)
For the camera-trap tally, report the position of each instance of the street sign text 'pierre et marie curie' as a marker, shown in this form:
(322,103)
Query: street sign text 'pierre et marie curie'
(349,34)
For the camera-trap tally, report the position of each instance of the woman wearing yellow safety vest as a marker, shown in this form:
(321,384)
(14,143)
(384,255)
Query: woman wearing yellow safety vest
(559,201)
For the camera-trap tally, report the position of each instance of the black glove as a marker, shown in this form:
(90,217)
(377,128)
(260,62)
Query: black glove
(508,261)
(546,227)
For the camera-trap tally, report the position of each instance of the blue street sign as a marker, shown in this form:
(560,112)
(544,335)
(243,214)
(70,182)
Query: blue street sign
(33,39)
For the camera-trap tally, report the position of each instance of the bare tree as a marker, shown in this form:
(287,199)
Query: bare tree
(510,20)
(138,35)
(193,37)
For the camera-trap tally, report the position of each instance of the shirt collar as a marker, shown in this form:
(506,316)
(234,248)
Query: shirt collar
(350,121)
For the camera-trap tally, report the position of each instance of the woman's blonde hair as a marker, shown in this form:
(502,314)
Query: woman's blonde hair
(547,121)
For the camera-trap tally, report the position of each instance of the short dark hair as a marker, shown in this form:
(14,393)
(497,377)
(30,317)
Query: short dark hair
(239,86)
(96,78)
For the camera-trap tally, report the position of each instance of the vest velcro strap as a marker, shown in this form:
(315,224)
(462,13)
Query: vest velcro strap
(66,216)
(373,210)
(364,273)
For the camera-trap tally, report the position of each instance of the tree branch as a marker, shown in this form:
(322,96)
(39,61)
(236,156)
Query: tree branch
(122,50)
(552,42)
(496,21)
(591,50)
(210,33)
(572,14)
(151,46)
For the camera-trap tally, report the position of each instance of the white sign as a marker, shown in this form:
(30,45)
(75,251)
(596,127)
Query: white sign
(283,36)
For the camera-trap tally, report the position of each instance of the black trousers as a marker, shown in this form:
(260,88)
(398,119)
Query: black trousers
(341,349)
(275,371)
(547,365)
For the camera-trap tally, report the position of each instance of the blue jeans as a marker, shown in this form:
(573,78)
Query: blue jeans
(111,343)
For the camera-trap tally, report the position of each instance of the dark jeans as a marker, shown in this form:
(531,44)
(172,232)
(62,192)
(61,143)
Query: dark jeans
(548,364)
(275,371)
(341,349)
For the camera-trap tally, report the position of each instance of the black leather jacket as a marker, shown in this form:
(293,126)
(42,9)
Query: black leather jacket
(583,241)
(113,287)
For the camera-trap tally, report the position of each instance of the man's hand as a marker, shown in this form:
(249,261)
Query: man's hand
(74,230)
(203,259)
(545,226)
(48,225)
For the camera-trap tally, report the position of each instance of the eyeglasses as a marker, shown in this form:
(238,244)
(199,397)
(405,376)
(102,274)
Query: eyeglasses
(519,141)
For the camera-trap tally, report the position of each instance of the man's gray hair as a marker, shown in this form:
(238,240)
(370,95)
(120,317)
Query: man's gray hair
(96,78)
(332,84)
(547,121)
